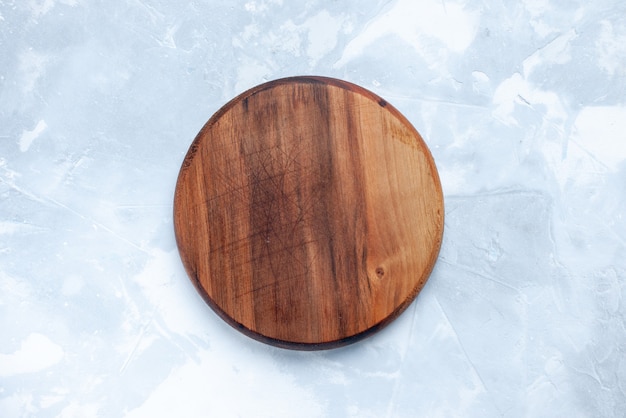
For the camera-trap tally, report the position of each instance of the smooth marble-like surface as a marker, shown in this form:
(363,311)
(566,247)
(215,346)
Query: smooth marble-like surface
(523,105)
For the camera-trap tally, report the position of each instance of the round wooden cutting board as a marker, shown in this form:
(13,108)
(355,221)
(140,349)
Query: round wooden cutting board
(308,213)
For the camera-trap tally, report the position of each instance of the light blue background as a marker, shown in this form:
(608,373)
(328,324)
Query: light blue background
(523,105)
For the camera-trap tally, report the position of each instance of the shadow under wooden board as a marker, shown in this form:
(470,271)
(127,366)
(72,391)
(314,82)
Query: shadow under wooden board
(308,213)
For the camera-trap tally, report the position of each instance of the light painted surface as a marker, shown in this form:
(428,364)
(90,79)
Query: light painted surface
(522,104)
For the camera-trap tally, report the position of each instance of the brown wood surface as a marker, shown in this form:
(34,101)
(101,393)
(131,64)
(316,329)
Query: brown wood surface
(308,212)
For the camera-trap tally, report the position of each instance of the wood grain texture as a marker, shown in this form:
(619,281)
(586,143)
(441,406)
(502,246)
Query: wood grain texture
(308,212)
